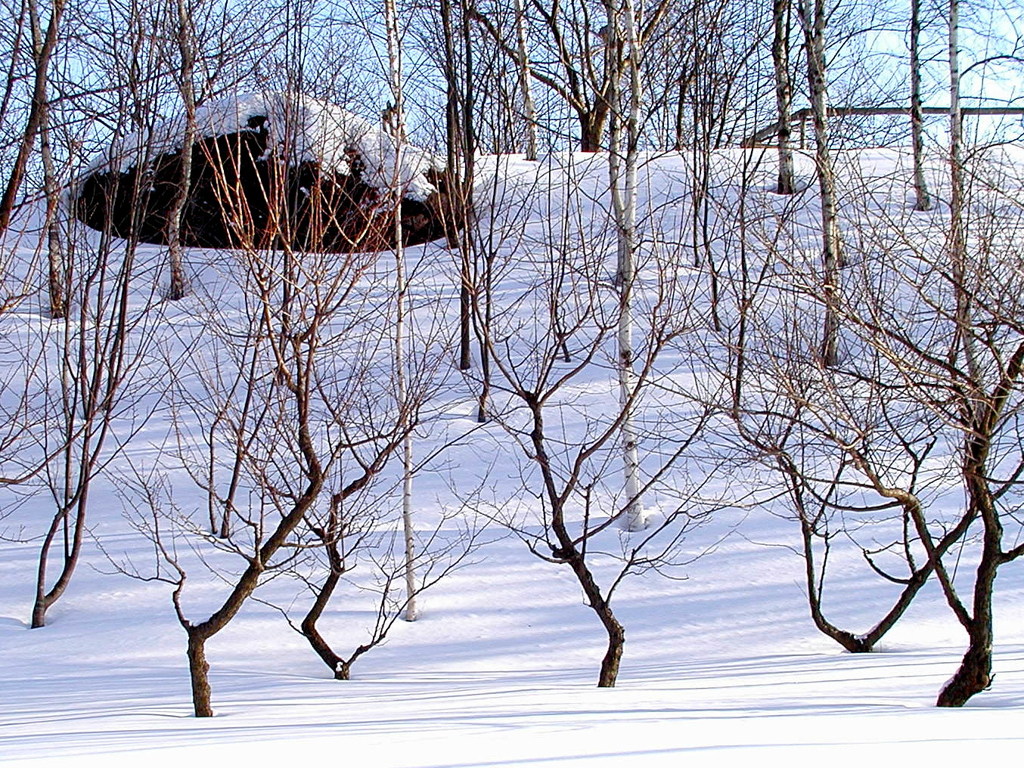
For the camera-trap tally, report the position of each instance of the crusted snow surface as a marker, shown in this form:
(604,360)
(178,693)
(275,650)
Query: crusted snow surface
(301,129)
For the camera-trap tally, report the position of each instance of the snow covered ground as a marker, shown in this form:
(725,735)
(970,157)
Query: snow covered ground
(722,666)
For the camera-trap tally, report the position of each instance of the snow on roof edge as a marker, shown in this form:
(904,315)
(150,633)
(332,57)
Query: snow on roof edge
(301,128)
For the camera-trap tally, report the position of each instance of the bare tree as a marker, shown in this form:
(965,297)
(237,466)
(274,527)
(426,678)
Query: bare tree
(944,325)
(853,458)
(567,445)
(297,399)
(101,350)
(279,417)
(351,537)
(966,370)
(101,354)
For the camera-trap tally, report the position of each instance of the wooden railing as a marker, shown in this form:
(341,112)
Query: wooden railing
(801,116)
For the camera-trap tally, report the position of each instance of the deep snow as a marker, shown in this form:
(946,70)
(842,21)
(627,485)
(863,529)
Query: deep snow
(721,667)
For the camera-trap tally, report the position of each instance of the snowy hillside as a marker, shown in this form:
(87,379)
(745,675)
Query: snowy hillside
(721,655)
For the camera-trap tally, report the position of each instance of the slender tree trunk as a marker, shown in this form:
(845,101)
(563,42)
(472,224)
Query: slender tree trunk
(456,188)
(923,201)
(530,112)
(813,19)
(178,285)
(957,224)
(622,168)
(94,369)
(470,245)
(401,289)
(956,121)
(680,126)
(36,111)
(45,598)
(465,293)
(331,539)
(616,633)
(309,629)
(575,557)
(783,94)
(484,296)
(469,100)
(468,158)
(409,531)
(57,279)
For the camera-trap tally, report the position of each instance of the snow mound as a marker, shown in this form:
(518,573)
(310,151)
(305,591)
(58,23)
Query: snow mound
(301,129)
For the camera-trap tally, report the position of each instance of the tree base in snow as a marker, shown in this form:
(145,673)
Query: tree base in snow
(973,677)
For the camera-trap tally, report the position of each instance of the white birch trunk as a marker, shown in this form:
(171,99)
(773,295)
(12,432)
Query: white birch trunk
(783,94)
(401,289)
(956,131)
(54,248)
(524,83)
(957,225)
(923,200)
(813,20)
(622,169)
(179,287)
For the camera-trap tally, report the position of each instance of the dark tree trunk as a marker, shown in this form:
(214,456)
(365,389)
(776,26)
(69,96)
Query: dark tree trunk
(597,602)
(469,174)
(591,130)
(865,643)
(199,671)
(246,584)
(465,313)
(975,672)
(312,634)
(72,551)
(847,640)
(573,556)
(616,633)
(340,667)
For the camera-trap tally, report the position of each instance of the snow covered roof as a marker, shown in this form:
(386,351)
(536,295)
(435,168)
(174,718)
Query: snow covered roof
(311,129)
